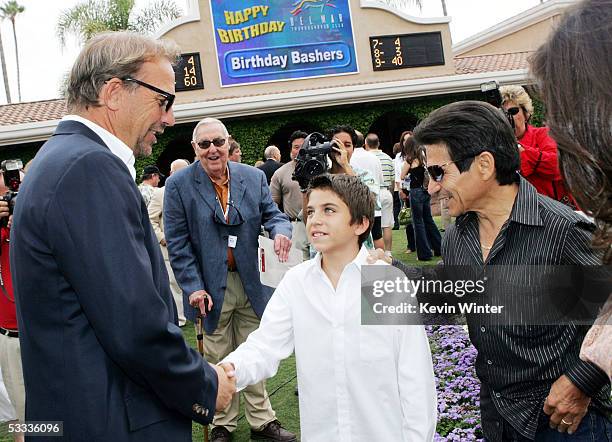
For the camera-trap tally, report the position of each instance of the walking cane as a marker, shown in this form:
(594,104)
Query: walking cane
(200,340)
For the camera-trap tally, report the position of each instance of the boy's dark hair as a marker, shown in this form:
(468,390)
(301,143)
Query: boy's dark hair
(295,135)
(346,129)
(468,128)
(353,192)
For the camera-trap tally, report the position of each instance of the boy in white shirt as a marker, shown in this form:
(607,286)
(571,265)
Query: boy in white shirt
(357,383)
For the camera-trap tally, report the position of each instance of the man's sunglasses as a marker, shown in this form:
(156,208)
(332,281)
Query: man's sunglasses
(205,144)
(436,172)
(219,218)
(167,95)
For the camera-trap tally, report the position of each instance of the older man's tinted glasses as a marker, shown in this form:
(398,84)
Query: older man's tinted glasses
(219,217)
(167,95)
(205,144)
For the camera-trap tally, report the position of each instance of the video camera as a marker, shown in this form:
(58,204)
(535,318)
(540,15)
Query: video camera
(11,170)
(312,159)
(490,89)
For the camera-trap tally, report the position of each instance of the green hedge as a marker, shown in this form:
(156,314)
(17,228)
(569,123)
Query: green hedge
(253,133)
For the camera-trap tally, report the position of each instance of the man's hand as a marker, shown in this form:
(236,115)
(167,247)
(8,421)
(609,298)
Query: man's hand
(378,254)
(4,209)
(282,244)
(226,387)
(196,299)
(566,405)
(229,368)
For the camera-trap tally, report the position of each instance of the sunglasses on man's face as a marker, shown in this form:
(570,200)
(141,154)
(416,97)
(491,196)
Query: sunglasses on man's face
(169,98)
(436,172)
(205,144)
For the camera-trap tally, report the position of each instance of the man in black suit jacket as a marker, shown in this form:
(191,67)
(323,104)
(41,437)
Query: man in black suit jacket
(100,344)
(272,156)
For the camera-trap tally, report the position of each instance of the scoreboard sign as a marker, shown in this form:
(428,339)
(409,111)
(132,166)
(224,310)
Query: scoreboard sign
(188,73)
(406,51)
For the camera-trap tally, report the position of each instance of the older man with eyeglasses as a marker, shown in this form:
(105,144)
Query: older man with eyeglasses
(213,211)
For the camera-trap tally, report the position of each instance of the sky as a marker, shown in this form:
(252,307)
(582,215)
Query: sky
(44,62)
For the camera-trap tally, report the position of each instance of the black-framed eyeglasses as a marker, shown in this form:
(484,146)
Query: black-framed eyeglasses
(436,172)
(167,95)
(219,217)
(205,144)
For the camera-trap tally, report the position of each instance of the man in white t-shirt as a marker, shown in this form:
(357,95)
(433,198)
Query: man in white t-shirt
(365,160)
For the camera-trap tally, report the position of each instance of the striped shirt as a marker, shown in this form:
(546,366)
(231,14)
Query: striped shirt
(517,364)
(388,168)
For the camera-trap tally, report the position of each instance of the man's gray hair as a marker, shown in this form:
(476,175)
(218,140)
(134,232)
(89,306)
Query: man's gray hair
(271,152)
(208,121)
(112,55)
(178,164)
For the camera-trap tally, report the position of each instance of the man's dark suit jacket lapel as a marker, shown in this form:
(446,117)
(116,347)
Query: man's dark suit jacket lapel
(71,127)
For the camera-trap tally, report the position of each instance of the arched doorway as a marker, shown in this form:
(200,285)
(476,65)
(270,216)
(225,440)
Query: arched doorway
(178,147)
(389,127)
(280,138)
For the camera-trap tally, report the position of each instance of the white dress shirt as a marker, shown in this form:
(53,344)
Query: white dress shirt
(116,146)
(357,383)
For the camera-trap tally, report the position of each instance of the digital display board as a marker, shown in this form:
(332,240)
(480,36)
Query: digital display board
(406,51)
(188,73)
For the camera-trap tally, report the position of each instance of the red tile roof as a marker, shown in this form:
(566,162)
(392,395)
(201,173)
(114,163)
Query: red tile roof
(39,111)
(492,63)
(36,111)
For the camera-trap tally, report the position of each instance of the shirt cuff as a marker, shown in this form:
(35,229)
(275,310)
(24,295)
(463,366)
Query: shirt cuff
(588,377)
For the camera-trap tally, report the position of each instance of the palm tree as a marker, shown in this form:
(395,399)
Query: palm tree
(444,7)
(4,73)
(94,16)
(10,10)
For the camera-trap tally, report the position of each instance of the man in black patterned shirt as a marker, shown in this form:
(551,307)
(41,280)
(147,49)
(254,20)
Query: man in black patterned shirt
(534,385)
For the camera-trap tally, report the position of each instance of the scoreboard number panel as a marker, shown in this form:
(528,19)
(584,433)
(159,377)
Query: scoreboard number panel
(406,51)
(188,73)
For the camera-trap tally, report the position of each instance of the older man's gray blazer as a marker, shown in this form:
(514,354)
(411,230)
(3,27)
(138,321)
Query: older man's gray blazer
(197,243)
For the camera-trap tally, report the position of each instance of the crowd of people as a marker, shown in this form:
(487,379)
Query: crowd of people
(100,274)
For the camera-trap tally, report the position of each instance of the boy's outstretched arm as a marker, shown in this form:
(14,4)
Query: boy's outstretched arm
(417,386)
(259,356)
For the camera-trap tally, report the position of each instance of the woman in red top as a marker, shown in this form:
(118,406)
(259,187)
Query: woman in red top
(538,150)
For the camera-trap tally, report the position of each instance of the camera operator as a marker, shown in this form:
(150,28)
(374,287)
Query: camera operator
(538,151)
(339,152)
(10,352)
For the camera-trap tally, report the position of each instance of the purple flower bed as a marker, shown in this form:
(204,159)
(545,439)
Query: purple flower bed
(456,383)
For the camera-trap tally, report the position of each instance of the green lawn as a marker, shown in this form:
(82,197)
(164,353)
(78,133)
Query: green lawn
(281,387)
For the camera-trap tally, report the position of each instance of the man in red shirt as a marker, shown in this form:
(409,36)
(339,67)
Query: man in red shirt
(10,353)
(538,151)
